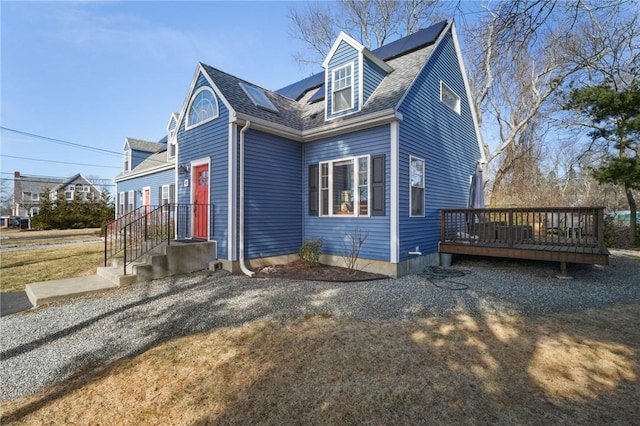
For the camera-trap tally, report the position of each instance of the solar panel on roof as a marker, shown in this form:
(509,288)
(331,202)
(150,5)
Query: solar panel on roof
(298,89)
(392,50)
(412,42)
(258,97)
(318,96)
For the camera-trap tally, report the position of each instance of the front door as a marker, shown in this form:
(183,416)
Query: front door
(146,200)
(201,202)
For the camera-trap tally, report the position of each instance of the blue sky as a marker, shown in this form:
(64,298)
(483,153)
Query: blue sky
(93,73)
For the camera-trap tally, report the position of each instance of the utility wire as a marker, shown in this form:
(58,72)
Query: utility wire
(59,162)
(77,145)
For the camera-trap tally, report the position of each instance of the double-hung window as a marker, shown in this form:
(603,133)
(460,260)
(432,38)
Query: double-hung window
(344,187)
(132,201)
(121,204)
(342,88)
(416,178)
(165,195)
(127,161)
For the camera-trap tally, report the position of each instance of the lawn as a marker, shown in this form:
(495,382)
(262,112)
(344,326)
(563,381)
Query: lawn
(47,260)
(573,368)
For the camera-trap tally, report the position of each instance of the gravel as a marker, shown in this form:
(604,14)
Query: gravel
(43,346)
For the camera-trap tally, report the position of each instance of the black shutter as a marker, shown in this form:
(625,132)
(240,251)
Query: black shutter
(172,195)
(160,195)
(126,201)
(313,190)
(378,192)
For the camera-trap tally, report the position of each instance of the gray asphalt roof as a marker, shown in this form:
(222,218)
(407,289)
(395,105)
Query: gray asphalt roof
(301,115)
(146,146)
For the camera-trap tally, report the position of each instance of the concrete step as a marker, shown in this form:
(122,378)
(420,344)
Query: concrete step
(44,292)
(116,275)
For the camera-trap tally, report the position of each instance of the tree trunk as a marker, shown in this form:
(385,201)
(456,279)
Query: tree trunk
(634,211)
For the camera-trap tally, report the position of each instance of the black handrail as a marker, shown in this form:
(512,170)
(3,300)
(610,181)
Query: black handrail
(137,233)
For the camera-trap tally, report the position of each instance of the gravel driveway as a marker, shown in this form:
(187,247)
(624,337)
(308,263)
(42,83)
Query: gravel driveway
(44,346)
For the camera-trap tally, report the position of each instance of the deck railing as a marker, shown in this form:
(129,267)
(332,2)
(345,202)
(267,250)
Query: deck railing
(549,226)
(138,232)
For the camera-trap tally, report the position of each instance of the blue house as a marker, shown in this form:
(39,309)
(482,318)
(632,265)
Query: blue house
(149,172)
(374,146)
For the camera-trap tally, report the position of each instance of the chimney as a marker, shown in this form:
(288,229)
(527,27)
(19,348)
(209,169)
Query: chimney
(16,175)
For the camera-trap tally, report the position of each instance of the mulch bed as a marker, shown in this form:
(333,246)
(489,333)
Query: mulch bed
(300,271)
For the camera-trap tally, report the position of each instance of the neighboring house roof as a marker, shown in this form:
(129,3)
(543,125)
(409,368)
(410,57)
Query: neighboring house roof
(36,184)
(297,104)
(146,146)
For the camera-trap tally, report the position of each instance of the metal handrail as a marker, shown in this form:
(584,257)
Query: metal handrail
(137,233)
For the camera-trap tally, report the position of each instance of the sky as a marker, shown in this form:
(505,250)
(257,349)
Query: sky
(89,74)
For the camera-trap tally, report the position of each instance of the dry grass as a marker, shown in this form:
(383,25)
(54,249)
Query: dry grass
(578,368)
(22,267)
(16,237)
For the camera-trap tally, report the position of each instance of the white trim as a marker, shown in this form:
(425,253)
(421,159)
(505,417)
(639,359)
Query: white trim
(463,70)
(351,66)
(232,196)
(128,158)
(355,195)
(347,39)
(193,164)
(187,124)
(361,81)
(162,187)
(445,87)
(201,71)
(131,198)
(146,172)
(424,166)
(394,248)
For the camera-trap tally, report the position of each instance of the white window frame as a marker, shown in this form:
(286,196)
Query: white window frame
(131,206)
(34,211)
(216,113)
(162,195)
(326,185)
(127,160)
(334,80)
(450,98)
(68,195)
(421,186)
(121,206)
(171,146)
(35,196)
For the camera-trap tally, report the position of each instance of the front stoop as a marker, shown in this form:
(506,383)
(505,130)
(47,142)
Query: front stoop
(171,260)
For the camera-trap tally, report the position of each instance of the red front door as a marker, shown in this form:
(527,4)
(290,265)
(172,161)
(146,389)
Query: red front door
(201,201)
(146,200)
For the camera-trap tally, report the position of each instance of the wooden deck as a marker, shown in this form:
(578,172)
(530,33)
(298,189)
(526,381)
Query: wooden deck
(560,234)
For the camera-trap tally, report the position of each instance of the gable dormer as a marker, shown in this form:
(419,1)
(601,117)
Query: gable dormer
(172,136)
(352,74)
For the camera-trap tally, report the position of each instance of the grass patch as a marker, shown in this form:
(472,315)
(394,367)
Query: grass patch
(21,267)
(575,368)
(19,238)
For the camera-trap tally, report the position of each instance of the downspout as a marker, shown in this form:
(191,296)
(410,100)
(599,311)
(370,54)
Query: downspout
(243,267)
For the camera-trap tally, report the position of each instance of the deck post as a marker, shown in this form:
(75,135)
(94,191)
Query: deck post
(441,225)
(600,226)
(510,229)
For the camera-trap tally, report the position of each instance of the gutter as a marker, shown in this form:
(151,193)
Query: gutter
(243,267)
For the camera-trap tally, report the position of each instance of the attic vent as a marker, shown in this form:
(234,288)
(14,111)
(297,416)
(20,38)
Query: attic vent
(258,97)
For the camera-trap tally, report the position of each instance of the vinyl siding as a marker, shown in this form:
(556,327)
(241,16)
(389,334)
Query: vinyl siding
(209,140)
(446,141)
(373,75)
(345,54)
(155,180)
(138,157)
(273,195)
(335,230)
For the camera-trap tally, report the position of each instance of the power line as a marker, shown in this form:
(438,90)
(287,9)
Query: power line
(73,144)
(62,142)
(58,162)
(53,182)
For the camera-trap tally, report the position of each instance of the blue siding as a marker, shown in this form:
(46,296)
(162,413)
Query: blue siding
(209,140)
(153,181)
(273,195)
(446,141)
(138,157)
(373,75)
(344,55)
(335,230)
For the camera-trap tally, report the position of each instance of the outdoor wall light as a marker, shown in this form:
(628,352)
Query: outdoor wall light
(184,168)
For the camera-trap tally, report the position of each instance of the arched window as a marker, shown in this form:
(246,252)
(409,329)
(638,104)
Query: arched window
(203,107)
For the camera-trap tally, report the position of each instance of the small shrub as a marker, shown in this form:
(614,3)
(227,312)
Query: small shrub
(310,252)
(611,235)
